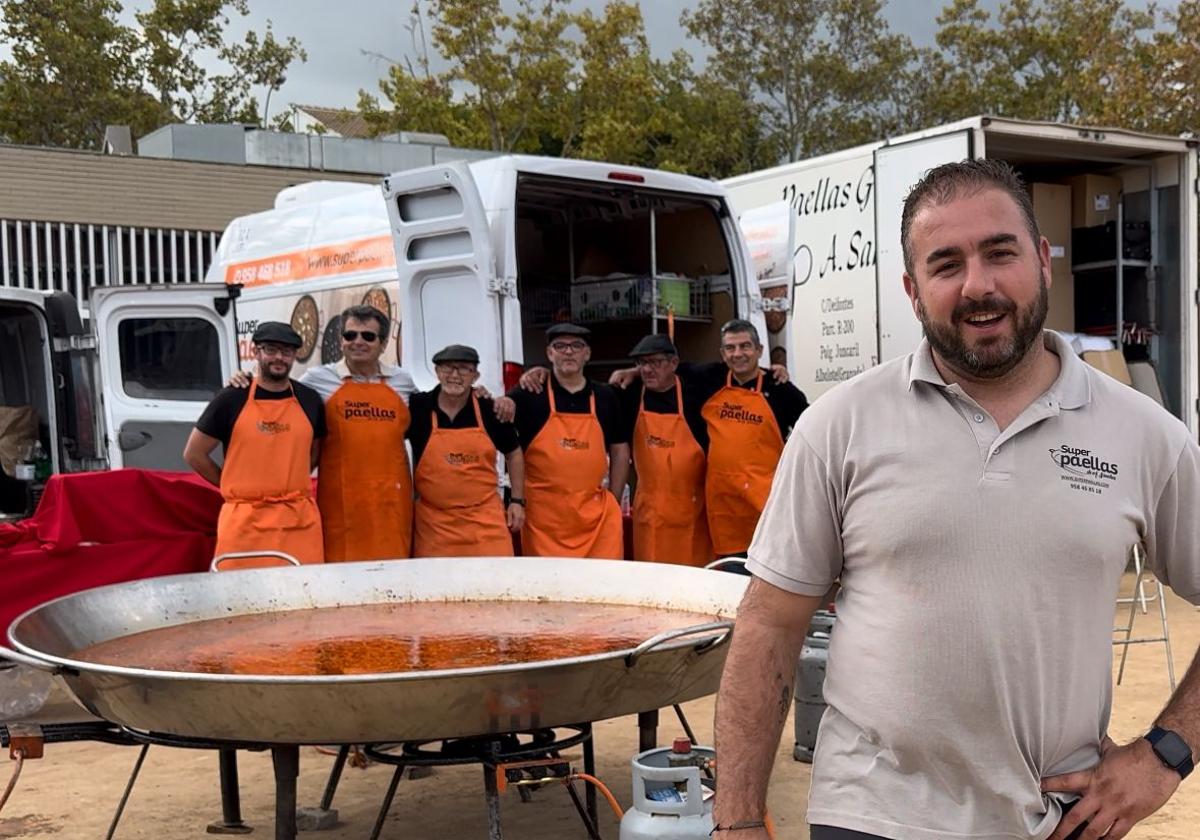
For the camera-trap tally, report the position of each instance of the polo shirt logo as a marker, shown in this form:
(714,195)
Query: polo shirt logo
(1083,470)
(273,427)
(739,414)
(573,443)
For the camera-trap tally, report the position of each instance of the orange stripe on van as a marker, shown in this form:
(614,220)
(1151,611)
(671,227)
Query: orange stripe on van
(323,261)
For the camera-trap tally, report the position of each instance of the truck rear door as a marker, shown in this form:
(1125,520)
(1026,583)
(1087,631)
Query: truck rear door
(164,353)
(448,288)
(897,169)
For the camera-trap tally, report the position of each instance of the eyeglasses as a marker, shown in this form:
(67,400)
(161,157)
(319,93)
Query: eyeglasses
(284,350)
(652,361)
(367,335)
(464,369)
(568,346)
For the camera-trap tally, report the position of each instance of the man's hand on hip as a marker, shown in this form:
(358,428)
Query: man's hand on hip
(1129,784)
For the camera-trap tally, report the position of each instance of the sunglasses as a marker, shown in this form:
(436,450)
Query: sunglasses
(367,335)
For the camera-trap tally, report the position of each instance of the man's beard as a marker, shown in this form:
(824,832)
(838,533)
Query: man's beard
(994,358)
(270,376)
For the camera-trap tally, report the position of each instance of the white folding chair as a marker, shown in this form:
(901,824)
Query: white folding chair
(1139,597)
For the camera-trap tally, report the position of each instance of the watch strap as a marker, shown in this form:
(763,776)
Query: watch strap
(1182,766)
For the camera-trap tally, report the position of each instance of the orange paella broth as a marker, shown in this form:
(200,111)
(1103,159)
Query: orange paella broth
(389,638)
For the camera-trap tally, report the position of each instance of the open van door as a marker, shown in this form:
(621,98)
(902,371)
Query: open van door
(770,233)
(448,288)
(897,169)
(165,351)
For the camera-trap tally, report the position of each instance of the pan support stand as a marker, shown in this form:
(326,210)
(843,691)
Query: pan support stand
(286,760)
(506,762)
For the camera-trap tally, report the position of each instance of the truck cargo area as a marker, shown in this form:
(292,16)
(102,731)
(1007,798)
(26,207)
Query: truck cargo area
(24,406)
(1112,216)
(628,258)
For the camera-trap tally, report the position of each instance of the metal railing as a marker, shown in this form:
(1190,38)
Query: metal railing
(75,258)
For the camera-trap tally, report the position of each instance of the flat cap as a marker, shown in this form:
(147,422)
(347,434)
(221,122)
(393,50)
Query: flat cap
(276,332)
(567,329)
(456,353)
(653,344)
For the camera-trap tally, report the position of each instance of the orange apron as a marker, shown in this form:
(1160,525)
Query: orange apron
(570,514)
(743,450)
(669,522)
(266,486)
(364,487)
(459,512)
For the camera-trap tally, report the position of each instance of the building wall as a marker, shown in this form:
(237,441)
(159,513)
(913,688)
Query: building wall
(57,185)
(74,220)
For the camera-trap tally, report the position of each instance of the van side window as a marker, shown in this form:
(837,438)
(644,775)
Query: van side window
(169,358)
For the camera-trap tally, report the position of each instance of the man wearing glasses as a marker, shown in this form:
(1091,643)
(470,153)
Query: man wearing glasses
(668,439)
(573,438)
(455,436)
(364,486)
(271,435)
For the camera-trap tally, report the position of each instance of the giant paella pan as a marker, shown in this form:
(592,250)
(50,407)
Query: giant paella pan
(387,651)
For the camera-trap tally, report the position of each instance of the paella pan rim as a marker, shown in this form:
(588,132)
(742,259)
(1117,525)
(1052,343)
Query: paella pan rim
(80,666)
(702,639)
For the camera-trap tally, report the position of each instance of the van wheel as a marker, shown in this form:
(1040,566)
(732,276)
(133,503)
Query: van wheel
(306,320)
(331,341)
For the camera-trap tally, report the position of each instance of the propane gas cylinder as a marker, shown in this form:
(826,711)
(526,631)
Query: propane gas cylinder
(672,800)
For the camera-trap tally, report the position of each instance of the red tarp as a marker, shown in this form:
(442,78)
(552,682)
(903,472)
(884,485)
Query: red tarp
(93,529)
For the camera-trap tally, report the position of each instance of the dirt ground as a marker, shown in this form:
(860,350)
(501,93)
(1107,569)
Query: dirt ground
(73,791)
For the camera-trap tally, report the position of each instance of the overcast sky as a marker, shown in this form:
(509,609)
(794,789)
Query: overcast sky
(340,36)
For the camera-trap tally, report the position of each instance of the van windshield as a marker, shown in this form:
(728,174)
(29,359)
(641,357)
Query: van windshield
(621,260)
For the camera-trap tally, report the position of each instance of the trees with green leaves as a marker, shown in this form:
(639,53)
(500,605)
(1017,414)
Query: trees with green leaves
(830,72)
(1059,60)
(75,68)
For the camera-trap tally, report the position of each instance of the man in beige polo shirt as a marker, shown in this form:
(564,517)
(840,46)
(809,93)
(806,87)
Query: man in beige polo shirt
(977,501)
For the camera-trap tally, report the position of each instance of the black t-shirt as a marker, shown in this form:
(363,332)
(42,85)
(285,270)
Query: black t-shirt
(422,404)
(665,402)
(220,414)
(787,401)
(533,410)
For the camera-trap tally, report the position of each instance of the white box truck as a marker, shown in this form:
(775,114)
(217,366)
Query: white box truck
(488,253)
(841,300)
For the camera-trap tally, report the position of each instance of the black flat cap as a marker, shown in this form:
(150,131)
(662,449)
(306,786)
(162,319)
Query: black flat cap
(456,353)
(567,329)
(653,344)
(276,332)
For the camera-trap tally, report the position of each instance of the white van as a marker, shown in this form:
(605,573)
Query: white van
(1119,208)
(492,253)
(488,254)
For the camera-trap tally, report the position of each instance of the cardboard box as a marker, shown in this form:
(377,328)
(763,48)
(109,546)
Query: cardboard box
(1052,209)
(1094,199)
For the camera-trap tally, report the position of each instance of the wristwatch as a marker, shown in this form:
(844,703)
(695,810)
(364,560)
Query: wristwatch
(1171,750)
(516,501)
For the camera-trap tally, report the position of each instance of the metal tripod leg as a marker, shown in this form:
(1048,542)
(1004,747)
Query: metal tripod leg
(137,769)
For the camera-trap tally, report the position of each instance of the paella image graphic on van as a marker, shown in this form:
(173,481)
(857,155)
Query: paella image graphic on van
(306,320)
(377,297)
(331,341)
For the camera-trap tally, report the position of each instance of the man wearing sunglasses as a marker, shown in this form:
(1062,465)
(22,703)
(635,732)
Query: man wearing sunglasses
(455,436)
(271,435)
(573,439)
(364,485)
